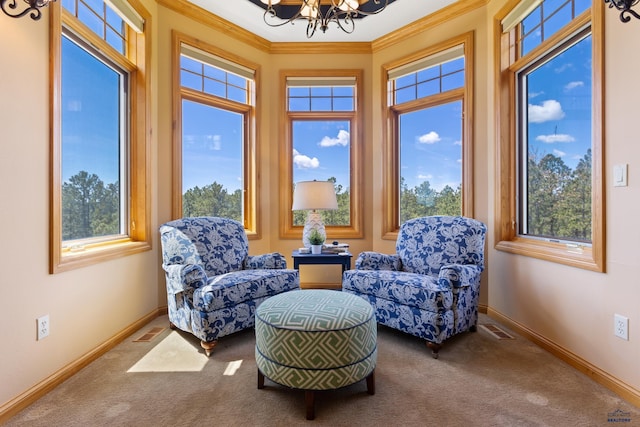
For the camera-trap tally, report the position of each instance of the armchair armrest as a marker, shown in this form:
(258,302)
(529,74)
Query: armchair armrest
(459,276)
(182,277)
(376,261)
(274,260)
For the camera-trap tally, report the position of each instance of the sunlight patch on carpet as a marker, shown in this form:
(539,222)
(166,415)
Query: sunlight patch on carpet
(150,335)
(232,367)
(497,332)
(172,354)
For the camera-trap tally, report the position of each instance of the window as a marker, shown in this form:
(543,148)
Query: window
(99,197)
(323,110)
(550,132)
(215,141)
(428,135)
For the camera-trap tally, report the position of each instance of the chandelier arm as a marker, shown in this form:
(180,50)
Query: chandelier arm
(272,14)
(348,25)
(624,6)
(8,7)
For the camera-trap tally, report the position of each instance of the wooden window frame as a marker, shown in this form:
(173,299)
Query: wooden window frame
(506,65)
(250,123)
(138,235)
(355,227)
(391,145)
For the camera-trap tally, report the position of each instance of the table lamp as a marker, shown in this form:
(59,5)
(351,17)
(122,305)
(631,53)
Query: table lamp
(314,196)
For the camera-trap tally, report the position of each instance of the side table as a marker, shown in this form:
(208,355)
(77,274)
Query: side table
(322,259)
(343,259)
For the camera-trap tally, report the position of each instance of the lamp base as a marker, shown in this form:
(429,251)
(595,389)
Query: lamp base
(314,221)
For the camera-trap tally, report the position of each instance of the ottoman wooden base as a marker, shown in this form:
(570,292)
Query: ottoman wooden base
(316,340)
(310,395)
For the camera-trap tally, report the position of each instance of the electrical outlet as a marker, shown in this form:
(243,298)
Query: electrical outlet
(43,327)
(621,326)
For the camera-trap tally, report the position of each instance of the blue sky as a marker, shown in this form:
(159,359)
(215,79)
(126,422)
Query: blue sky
(559,105)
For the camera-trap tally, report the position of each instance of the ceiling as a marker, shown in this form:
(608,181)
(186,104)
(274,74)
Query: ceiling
(249,16)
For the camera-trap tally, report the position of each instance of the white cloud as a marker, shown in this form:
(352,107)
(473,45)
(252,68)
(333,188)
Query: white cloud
(425,177)
(535,94)
(342,139)
(215,142)
(573,85)
(458,142)
(305,162)
(559,153)
(429,138)
(548,110)
(552,139)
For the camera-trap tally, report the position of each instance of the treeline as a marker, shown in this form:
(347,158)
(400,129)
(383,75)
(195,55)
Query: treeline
(559,203)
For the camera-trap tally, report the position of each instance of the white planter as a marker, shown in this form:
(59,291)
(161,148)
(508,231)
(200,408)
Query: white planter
(316,249)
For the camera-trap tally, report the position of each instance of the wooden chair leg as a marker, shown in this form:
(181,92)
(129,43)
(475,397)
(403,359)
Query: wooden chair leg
(310,402)
(435,348)
(208,346)
(371,383)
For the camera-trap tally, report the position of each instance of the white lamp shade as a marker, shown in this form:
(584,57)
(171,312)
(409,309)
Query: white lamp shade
(348,5)
(314,195)
(270,2)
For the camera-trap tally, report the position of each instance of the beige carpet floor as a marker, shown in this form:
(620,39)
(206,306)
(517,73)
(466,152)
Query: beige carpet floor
(478,380)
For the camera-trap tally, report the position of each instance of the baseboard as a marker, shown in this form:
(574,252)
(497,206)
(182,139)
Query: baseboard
(603,378)
(25,399)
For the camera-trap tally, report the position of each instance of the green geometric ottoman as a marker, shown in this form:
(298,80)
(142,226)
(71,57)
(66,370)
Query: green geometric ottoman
(316,339)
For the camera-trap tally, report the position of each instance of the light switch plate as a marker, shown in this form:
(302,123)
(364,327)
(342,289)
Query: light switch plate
(620,175)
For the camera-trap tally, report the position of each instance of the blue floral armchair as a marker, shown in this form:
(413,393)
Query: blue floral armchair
(430,287)
(213,285)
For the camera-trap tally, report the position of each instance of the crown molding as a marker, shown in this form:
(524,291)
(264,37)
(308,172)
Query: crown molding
(211,20)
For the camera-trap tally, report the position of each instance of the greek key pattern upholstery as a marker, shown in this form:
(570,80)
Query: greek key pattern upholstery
(213,285)
(315,339)
(430,287)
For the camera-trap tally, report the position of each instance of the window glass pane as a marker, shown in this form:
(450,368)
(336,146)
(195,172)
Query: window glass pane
(237,94)
(214,73)
(551,6)
(299,104)
(191,80)
(453,66)
(429,74)
(405,81)
(238,81)
(343,104)
(91,20)
(557,202)
(212,161)
(346,91)
(431,161)
(453,81)
(215,87)
(299,91)
(92,145)
(408,94)
(191,65)
(324,91)
(427,88)
(115,40)
(321,151)
(70,5)
(321,104)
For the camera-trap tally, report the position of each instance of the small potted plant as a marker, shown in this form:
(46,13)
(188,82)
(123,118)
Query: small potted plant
(316,239)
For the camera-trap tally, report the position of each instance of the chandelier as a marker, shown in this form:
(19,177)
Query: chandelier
(624,6)
(9,7)
(342,12)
